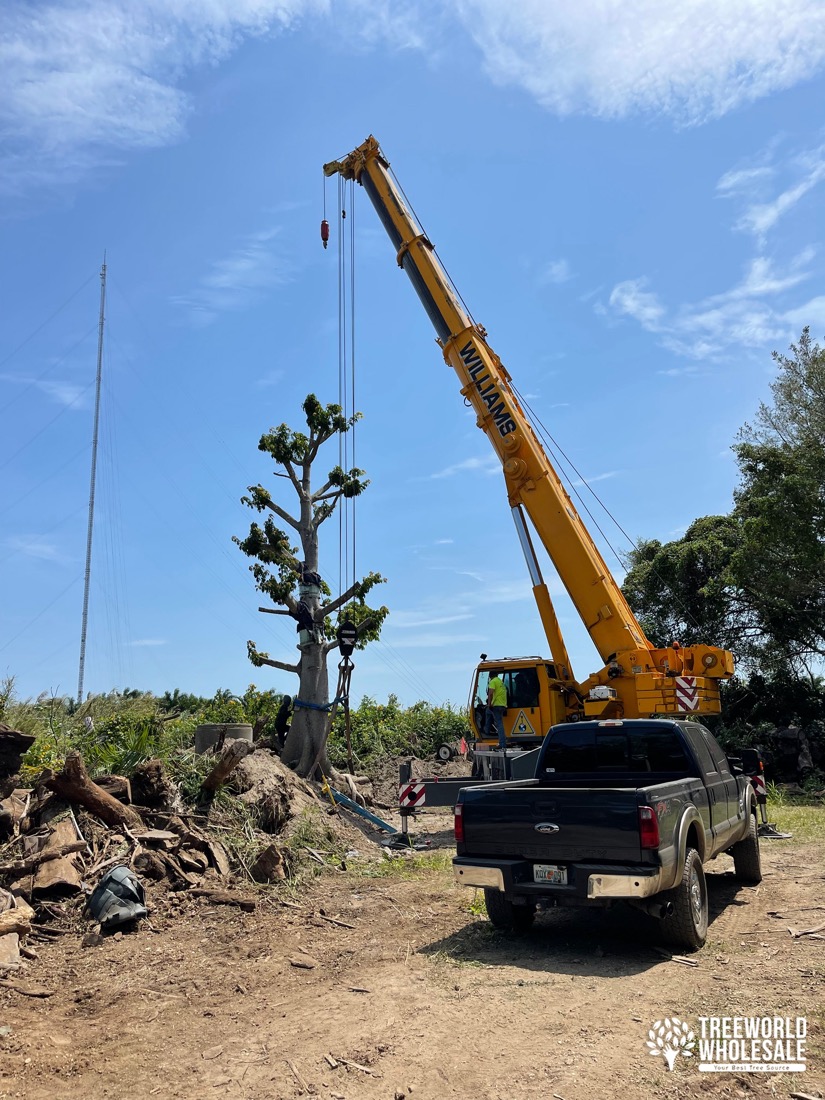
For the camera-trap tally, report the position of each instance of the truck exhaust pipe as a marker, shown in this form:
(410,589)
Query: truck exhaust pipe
(653,908)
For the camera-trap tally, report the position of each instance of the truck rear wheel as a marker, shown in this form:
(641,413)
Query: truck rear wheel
(506,916)
(747,861)
(687,925)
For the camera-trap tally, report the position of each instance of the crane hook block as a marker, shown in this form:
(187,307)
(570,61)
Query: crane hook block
(325,232)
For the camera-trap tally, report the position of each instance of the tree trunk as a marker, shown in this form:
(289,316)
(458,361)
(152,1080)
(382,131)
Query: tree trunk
(308,730)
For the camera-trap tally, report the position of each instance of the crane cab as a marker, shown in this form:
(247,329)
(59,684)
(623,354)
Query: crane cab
(536,700)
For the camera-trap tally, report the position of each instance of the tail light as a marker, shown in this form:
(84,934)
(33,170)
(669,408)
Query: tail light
(458,824)
(648,828)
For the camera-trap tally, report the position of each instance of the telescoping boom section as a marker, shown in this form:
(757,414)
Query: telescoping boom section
(637,679)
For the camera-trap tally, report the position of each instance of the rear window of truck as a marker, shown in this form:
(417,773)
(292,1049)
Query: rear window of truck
(614,750)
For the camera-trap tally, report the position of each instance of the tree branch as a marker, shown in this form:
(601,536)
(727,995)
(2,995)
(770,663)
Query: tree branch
(284,515)
(273,611)
(293,478)
(282,665)
(333,605)
(318,495)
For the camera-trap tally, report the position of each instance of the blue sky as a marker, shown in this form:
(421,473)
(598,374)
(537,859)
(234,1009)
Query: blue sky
(628,199)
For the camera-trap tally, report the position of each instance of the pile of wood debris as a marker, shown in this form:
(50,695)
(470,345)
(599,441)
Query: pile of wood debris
(59,837)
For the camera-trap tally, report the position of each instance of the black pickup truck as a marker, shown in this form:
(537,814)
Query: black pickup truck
(619,810)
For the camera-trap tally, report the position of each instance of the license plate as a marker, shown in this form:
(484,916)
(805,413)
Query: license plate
(547,872)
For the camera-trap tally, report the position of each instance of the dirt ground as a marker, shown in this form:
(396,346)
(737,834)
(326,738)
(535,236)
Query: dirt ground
(420,997)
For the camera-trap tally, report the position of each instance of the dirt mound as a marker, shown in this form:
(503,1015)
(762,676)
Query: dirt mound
(384,775)
(278,794)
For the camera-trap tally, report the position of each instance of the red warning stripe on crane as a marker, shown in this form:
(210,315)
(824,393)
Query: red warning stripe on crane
(760,786)
(687,693)
(411,794)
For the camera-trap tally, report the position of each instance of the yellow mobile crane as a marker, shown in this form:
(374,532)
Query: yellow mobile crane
(636,680)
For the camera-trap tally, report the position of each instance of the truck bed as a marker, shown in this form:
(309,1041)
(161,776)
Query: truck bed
(593,823)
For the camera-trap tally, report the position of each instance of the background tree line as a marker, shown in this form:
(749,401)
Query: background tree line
(130,726)
(753,580)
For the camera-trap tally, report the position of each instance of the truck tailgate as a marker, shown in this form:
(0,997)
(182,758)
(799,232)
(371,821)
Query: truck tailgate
(590,823)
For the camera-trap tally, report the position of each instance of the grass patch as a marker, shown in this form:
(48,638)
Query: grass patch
(477,908)
(807,823)
(407,867)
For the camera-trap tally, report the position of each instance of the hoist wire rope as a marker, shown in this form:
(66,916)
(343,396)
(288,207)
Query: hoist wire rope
(48,321)
(341,352)
(353,500)
(562,461)
(552,444)
(33,382)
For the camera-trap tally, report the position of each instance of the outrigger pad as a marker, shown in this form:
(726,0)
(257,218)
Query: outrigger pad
(118,898)
(769,831)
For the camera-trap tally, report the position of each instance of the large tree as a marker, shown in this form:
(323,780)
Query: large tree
(780,506)
(754,580)
(681,590)
(289,575)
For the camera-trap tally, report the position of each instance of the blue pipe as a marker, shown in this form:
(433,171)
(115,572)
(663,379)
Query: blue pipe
(348,803)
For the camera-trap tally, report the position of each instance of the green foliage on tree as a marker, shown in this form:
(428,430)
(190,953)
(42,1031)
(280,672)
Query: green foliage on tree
(780,507)
(753,581)
(384,730)
(681,590)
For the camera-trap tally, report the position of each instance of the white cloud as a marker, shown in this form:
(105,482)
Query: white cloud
(773,188)
(695,61)
(760,217)
(238,279)
(632,299)
(597,477)
(272,378)
(85,81)
(32,547)
(744,179)
(433,639)
(742,315)
(68,394)
(80,78)
(405,620)
(555,272)
(811,313)
(680,372)
(488,465)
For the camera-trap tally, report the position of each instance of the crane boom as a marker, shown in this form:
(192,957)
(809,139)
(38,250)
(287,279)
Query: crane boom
(639,679)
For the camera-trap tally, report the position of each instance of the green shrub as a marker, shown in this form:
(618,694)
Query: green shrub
(386,729)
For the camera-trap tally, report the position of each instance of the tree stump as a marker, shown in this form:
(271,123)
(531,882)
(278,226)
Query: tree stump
(73,784)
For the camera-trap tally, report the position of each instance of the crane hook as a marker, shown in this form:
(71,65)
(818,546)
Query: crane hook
(325,232)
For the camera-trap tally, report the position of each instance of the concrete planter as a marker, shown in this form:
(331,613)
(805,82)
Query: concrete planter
(207,735)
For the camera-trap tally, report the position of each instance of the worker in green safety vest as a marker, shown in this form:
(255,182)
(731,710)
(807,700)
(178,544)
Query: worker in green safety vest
(496,706)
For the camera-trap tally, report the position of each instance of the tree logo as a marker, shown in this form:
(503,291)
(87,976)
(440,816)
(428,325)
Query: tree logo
(669,1038)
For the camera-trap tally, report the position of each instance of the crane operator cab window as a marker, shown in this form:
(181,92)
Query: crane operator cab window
(522,686)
